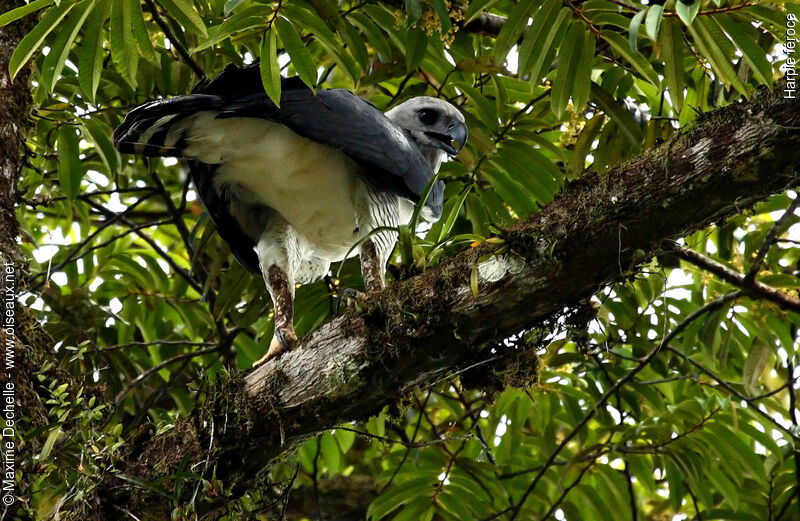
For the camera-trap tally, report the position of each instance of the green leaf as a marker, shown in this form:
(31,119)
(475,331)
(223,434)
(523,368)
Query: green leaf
(184,12)
(399,495)
(595,503)
(345,438)
(633,30)
(568,58)
(24,10)
(327,10)
(416,43)
(754,54)
(373,34)
(355,43)
(451,217)
(639,62)
(726,440)
(413,10)
(141,33)
(232,286)
(420,509)
(583,146)
(248,18)
(541,37)
(441,11)
(501,96)
(484,107)
(583,73)
(653,21)
(62,44)
(149,485)
(270,70)
(47,447)
(729,490)
(618,112)
(123,43)
(720,61)
(475,8)
(770,19)
(502,175)
(384,18)
(454,504)
(687,12)
(603,18)
(757,358)
(331,454)
(676,484)
(90,53)
(302,61)
(512,30)
(100,135)
(672,49)
(310,21)
(548,175)
(34,39)
(473,280)
(230,5)
(70,170)
(780,280)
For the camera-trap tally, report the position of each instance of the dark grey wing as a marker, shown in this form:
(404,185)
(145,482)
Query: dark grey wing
(217,205)
(336,118)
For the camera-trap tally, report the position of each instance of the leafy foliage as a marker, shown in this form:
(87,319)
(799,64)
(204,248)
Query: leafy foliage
(143,298)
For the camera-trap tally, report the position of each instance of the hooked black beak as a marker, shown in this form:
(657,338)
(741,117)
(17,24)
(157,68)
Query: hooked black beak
(453,141)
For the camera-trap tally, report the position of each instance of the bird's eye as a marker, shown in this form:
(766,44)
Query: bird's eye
(428,116)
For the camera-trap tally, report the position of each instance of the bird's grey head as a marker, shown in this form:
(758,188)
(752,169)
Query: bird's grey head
(437,127)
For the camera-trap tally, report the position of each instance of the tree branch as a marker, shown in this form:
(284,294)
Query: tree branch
(599,231)
(775,231)
(757,289)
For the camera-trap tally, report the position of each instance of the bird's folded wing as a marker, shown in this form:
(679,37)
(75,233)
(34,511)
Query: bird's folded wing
(336,118)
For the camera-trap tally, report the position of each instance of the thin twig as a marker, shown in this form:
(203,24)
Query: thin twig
(174,212)
(163,254)
(112,217)
(156,368)
(287,490)
(694,502)
(156,343)
(755,288)
(631,493)
(714,304)
(176,44)
(772,235)
(793,416)
(725,385)
(567,490)
(314,480)
(408,451)
(45,201)
(419,445)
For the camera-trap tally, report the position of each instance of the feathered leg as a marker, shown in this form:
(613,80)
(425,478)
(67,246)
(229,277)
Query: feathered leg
(278,258)
(377,209)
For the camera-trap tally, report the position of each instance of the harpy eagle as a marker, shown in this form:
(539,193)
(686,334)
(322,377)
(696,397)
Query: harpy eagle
(293,188)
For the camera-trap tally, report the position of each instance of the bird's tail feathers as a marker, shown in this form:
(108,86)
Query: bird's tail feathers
(154,129)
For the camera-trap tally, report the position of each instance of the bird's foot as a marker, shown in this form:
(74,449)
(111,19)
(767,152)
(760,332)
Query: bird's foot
(284,339)
(351,298)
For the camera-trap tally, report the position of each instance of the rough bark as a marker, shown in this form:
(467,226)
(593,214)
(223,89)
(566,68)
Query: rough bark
(416,331)
(20,331)
(15,101)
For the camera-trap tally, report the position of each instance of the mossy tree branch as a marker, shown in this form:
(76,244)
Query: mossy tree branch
(419,330)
